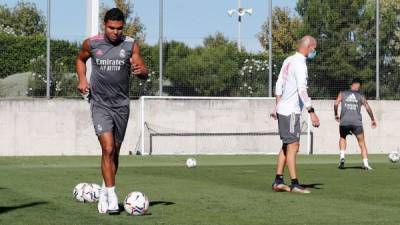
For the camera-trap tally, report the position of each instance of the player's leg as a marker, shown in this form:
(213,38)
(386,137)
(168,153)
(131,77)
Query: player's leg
(106,140)
(291,156)
(116,156)
(103,125)
(343,131)
(364,150)
(107,158)
(111,170)
(293,147)
(279,184)
(120,117)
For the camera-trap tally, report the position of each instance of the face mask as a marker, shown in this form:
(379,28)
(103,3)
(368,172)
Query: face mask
(312,54)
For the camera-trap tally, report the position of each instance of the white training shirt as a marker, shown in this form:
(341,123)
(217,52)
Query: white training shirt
(292,85)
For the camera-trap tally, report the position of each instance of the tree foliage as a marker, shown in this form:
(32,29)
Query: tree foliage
(133,27)
(23,19)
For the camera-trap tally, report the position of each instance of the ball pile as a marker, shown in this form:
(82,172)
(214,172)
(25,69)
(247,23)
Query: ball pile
(85,192)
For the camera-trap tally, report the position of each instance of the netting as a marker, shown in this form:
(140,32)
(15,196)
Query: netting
(212,126)
(200,54)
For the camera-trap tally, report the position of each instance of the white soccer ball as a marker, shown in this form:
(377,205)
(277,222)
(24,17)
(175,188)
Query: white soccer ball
(394,157)
(191,162)
(78,192)
(91,193)
(136,203)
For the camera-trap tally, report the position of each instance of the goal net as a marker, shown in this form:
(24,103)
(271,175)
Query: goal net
(205,125)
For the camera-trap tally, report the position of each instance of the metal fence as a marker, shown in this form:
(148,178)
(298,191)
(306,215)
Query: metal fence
(203,48)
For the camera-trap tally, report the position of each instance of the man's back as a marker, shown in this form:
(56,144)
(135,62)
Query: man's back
(351,108)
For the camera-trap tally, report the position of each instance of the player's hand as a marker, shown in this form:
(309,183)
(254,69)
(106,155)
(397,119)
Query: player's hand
(373,124)
(274,115)
(138,70)
(337,118)
(83,87)
(314,120)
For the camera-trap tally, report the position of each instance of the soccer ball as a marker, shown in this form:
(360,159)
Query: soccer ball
(191,162)
(136,203)
(394,157)
(91,193)
(78,192)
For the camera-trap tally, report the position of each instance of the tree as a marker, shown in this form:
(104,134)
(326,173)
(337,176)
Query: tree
(24,19)
(389,46)
(209,70)
(341,56)
(284,31)
(133,27)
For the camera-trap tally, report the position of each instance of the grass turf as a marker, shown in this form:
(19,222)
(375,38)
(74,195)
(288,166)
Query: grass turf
(221,190)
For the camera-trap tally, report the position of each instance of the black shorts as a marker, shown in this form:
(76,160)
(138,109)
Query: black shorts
(349,130)
(106,119)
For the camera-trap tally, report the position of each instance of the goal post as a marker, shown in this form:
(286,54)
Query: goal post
(212,125)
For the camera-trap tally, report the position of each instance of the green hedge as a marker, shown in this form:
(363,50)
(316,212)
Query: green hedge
(18,51)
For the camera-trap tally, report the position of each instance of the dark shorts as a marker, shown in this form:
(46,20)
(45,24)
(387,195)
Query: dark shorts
(106,119)
(289,128)
(349,130)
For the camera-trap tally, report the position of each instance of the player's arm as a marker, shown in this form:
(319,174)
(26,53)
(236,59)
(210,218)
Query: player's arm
(138,66)
(80,64)
(336,106)
(278,95)
(301,80)
(370,113)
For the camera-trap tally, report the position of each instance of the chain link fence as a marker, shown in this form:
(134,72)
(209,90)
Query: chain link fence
(212,63)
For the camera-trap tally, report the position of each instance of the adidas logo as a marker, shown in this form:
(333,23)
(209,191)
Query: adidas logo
(351,98)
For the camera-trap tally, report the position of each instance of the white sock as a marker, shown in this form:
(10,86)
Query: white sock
(103,190)
(110,190)
(365,161)
(341,154)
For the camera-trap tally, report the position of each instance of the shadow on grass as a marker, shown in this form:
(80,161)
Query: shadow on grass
(313,186)
(4,209)
(153,203)
(353,167)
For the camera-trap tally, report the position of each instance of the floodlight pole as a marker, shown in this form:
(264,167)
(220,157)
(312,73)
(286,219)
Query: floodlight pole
(48,51)
(160,43)
(377,49)
(92,27)
(240,12)
(239,28)
(270,49)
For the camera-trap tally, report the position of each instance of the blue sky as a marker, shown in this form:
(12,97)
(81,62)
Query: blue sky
(184,20)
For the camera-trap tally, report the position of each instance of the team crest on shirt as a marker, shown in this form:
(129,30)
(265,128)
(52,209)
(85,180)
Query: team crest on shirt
(122,53)
(99,52)
(99,127)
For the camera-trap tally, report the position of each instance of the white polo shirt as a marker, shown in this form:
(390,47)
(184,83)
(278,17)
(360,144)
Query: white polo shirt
(292,85)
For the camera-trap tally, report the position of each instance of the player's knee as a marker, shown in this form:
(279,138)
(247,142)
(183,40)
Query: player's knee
(108,151)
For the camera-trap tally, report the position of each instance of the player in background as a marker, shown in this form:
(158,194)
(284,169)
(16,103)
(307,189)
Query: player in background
(114,58)
(291,95)
(350,120)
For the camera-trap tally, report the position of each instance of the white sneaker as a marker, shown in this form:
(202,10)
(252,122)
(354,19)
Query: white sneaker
(113,208)
(368,167)
(102,206)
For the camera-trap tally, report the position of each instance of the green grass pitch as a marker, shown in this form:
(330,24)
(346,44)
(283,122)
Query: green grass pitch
(225,190)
